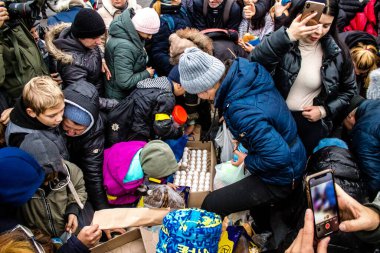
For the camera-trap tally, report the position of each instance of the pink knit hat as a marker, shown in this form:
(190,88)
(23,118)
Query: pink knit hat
(147,21)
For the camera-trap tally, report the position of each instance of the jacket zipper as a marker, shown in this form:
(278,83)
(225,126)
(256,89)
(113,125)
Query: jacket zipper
(48,211)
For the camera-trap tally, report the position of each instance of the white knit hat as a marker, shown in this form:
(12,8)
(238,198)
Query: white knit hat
(146,20)
(199,71)
(373,91)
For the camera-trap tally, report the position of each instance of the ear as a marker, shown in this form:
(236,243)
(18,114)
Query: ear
(31,113)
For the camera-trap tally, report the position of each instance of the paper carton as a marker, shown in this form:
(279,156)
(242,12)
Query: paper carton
(196,198)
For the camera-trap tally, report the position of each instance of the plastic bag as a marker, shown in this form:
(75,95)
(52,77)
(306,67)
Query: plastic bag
(226,174)
(162,196)
(223,140)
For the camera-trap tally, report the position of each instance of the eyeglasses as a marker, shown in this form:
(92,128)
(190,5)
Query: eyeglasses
(30,236)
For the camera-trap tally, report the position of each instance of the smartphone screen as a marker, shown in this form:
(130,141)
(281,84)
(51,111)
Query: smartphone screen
(324,204)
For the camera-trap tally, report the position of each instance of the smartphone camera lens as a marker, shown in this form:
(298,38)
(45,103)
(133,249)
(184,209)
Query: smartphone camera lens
(307,5)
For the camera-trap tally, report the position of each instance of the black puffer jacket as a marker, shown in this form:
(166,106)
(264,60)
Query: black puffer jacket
(346,171)
(282,58)
(87,150)
(214,18)
(348,176)
(76,62)
(147,115)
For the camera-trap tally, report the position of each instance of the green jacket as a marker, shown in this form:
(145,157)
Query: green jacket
(372,237)
(49,212)
(20,59)
(125,56)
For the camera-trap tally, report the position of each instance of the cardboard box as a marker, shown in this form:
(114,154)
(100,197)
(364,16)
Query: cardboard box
(129,242)
(137,240)
(196,198)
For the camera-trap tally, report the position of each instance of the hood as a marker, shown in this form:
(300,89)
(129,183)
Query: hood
(131,4)
(59,41)
(185,38)
(244,79)
(162,83)
(122,27)
(373,91)
(84,96)
(352,38)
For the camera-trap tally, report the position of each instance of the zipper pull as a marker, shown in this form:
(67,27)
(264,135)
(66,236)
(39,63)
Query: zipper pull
(293,184)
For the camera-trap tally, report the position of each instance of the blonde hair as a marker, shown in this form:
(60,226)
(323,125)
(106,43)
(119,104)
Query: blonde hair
(365,59)
(42,93)
(15,242)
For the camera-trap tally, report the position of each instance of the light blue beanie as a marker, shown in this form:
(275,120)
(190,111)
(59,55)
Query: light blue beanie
(199,71)
(77,115)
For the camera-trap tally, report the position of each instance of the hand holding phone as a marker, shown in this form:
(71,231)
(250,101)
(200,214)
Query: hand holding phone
(304,243)
(323,201)
(310,8)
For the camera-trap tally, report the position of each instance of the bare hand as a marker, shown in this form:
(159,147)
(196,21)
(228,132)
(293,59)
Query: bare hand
(106,70)
(241,157)
(355,216)
(312,113)
(4,16)
(305,238)
(246,46)
(298,28)
(5,116)
(151,71)
(249,11)
(173,186)
(189,130)
(90,235)
(279,9)
(117,230)
(72,223)
(56,77)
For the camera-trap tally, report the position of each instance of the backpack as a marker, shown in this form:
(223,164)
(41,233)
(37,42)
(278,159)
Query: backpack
(20,59)
(170,21)
(122,172)
(226,11)
(118,121)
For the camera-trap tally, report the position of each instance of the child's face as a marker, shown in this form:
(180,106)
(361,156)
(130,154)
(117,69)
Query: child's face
(51,117)
(178,89)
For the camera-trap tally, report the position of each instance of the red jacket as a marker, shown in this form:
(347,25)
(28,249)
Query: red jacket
(364,21)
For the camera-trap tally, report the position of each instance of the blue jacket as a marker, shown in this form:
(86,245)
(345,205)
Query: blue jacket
(169,23)
(257,116)
(366,142)
(67,16)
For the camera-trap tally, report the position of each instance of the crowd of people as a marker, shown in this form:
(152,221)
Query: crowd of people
(86,107)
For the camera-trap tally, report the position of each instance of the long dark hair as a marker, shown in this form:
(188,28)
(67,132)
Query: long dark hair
(331,9)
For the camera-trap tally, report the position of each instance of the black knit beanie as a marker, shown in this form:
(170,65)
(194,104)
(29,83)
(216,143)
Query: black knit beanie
(88,24)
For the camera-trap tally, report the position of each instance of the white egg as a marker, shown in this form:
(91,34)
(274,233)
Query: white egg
(208,174)
(184,164)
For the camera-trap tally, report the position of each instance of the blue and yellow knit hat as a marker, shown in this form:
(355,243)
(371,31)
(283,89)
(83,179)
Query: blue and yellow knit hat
(190,230)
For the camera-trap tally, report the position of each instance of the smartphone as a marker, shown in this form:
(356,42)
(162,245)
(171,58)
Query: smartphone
(322,200)
(310,8)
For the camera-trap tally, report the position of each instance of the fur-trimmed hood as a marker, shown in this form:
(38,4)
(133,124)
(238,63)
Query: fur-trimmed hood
(185,38)
(61,35)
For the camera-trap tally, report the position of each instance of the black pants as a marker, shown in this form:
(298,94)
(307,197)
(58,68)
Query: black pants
(309,132)
(246,194)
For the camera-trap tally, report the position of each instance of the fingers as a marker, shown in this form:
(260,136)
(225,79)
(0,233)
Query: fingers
(308,233)
(307,18)
(108,233)
(92,228)
(322,245)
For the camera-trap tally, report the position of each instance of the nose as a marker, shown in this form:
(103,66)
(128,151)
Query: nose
(98,41)
(319,29)
(149,36)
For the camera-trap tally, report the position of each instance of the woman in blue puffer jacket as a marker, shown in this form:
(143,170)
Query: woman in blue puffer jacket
(257,116)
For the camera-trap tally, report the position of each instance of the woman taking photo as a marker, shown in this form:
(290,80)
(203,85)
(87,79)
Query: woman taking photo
(311,69)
